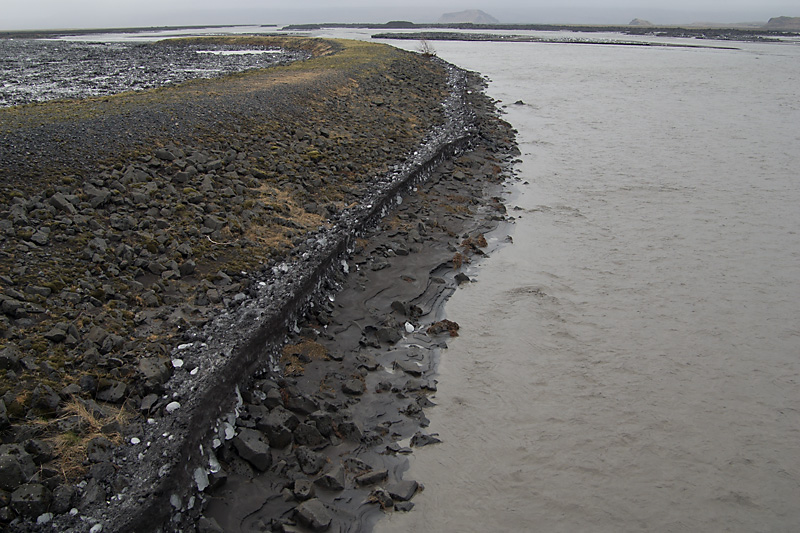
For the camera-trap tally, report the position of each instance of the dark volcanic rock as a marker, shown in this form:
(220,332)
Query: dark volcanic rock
(314,515)
(311,462)
(403,490)
(16,466)
(334,479)
(307,434)
(370,478)
(31,500)
(252,448)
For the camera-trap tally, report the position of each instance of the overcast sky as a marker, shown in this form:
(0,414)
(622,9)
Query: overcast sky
(42,14)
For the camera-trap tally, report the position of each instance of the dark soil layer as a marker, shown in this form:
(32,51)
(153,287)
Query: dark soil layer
(157,247)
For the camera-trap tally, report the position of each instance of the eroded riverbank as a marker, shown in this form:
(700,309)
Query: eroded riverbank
(207,218)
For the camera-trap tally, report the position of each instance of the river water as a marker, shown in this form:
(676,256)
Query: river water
(631,362)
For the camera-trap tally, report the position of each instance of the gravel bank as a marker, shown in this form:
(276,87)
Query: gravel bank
(158,247)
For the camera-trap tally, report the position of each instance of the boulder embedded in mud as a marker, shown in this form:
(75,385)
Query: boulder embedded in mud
(420,439)
(307,434)
(353,387)
(208,525)
(334,479)
(388,335)
(314,515)
(302,404)
(310,461)
(303,489)
(350,431)
(403,490)
(252,447)
(370,478)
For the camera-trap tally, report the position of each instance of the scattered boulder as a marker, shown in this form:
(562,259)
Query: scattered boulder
(354,387)
(252,447)
(307,434)
(334,479)
(31,500)
(371,478)
(310,462)
(99,450)
(16,466)
(314,515)
(420,439)
(403,490)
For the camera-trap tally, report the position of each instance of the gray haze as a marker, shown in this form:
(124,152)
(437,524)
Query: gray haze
(42,14)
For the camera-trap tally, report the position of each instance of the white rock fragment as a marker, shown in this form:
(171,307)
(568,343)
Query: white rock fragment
(172,407)
(44,518)
(201,478)
(135,440)
(213,463)
(97,528)
(177,363)
(409,327)
(175,501)
(185,346)
(195,370)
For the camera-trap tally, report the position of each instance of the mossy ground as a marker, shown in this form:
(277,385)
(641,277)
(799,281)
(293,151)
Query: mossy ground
(298,144)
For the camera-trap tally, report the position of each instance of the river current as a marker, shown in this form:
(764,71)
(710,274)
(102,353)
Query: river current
(631,362)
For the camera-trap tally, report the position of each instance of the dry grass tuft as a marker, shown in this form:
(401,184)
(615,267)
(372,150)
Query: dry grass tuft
(295,356)
(444,326)
(71,448)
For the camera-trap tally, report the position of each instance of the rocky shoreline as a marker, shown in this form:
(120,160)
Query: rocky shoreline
(143,285)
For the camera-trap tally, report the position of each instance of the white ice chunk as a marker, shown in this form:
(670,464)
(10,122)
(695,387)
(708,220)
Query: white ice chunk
(172,407)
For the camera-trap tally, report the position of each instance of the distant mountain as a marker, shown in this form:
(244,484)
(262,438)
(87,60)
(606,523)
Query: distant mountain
(640,22)
(474,16)
(783,23)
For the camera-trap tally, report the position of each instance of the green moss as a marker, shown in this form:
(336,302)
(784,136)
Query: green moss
(40,345)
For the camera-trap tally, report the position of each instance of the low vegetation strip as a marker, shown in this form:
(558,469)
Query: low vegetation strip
(128,222)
